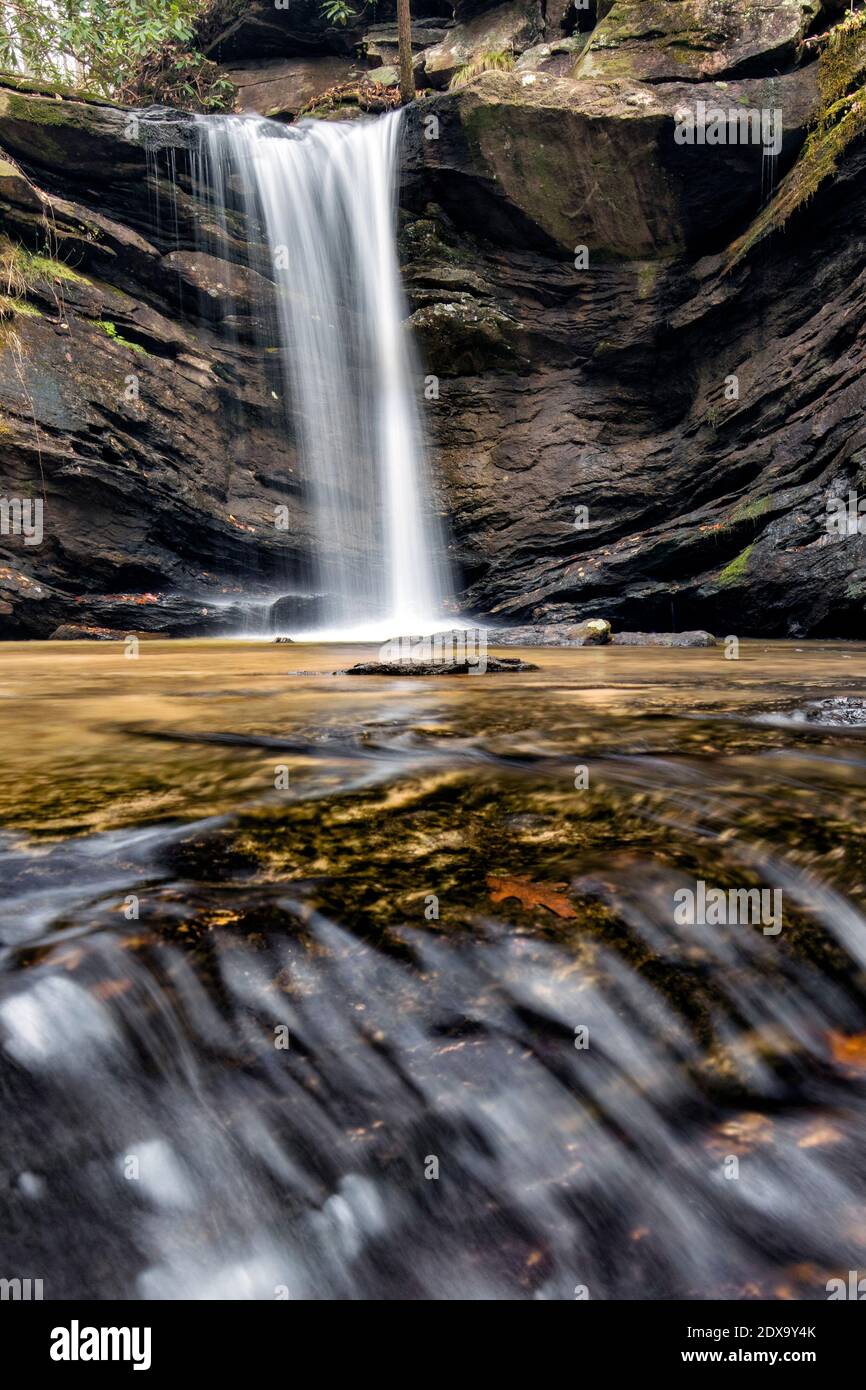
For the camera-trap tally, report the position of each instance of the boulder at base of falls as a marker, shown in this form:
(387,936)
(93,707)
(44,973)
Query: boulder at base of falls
(297,611)
(595,632)
(695,638)
(493,665)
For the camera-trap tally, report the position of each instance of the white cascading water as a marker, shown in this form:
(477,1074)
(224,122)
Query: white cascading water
(325,195)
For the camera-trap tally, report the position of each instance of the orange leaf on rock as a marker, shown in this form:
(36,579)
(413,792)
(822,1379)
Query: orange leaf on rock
(820,1135)
(530,894)
(740,1134)
(108,989)
(850,1051)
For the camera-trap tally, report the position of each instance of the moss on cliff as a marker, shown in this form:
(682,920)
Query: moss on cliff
(839,121)
(111,331)
(10,307)
(751,509)
(736,570)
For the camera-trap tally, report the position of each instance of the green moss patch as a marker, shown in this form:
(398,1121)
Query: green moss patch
(736,570)
(751,509)
(111,331)
(11,307)
(46,267)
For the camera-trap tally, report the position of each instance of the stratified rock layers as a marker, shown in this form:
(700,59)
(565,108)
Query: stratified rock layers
(626,424)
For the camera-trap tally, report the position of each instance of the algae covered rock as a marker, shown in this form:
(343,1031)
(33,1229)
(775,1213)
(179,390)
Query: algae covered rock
(462,335)
(692,40)
(548,163)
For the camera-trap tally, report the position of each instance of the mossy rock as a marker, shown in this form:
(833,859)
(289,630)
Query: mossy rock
(839,123)
(68,133)
(463,337)
(737,569)
(693,40)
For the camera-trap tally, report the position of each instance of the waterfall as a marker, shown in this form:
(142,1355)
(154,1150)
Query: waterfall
(324,195)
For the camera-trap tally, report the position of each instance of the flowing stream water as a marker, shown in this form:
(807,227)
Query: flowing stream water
(294,967)
(324,194)
(321,986)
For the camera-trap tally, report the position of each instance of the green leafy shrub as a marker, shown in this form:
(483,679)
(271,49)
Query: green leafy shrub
(127,50)
(337,11)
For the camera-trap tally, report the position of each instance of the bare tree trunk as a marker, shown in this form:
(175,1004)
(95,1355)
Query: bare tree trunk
(404,39)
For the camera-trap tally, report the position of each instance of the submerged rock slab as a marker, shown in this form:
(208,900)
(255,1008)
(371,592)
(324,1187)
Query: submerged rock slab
(595,632)
(696,638)
(83,632)
(493,665)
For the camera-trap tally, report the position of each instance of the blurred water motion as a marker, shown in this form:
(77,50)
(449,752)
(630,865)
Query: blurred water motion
(158,1142)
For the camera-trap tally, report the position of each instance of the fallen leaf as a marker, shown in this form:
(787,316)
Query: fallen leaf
(740,1134)
(529,894)
(818,1136)
(108,989)
(849,1051)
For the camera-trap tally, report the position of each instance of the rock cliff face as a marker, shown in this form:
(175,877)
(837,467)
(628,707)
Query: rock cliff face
(636,414)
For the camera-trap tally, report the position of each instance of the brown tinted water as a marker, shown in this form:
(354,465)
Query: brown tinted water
(453,898)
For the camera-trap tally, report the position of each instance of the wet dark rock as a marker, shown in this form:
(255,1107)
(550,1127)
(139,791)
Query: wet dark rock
(697,638)
(157,440)
(261,31)
(703,511)
(492,665)
(496,170)
(280,88)
(82,632)
(380,46)
(296,610)
(558,388)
